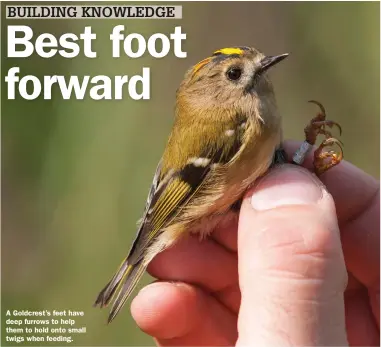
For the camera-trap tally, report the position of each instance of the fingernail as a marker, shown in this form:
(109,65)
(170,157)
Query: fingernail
(287,185)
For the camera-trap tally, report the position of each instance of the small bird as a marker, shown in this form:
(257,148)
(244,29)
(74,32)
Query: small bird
(227,132)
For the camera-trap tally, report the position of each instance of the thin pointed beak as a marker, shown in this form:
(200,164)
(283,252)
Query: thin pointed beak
(271,60)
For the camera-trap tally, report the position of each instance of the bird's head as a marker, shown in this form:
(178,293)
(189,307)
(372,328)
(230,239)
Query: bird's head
(231,79)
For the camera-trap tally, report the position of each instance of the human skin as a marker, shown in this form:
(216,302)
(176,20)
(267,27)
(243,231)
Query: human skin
(296,271)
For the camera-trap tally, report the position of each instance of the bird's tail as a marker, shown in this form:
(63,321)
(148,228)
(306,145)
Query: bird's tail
(121,285)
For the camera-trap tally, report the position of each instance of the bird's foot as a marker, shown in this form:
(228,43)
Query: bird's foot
(326,159)
(323,160)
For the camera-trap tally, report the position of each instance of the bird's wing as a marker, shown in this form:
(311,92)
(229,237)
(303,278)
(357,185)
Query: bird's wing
(169,192)
(165,197)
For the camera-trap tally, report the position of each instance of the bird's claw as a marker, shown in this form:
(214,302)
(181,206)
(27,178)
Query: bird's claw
(320,125)
(323,160)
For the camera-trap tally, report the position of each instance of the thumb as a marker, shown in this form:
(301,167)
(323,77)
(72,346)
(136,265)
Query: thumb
(291,269)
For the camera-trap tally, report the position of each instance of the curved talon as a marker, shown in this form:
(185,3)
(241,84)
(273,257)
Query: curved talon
(331,141)
(323,161)
(324,115)
(322,109)
(338,126)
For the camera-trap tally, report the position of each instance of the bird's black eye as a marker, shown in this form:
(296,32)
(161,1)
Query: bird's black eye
(234,73)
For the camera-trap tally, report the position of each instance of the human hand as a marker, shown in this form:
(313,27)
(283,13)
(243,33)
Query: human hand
(288,285)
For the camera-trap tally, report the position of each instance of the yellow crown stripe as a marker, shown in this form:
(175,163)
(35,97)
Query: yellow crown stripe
(229,51)
(225,51)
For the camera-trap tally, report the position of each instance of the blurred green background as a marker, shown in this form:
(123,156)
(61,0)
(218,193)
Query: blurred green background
(75,174)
